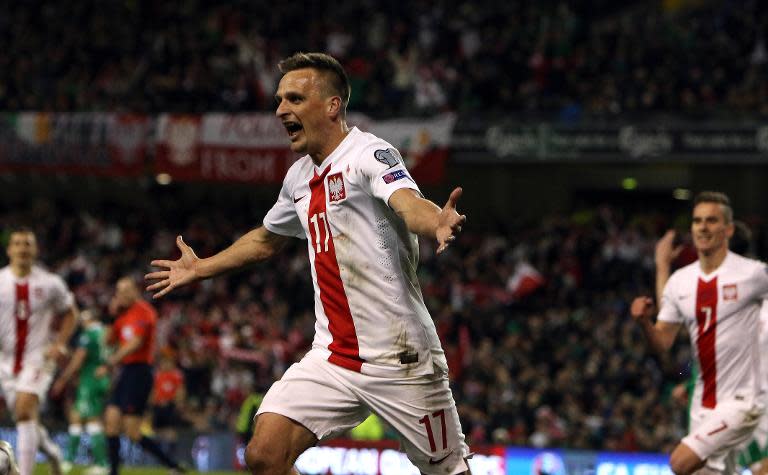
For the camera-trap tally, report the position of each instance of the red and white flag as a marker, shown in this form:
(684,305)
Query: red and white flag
(524,280)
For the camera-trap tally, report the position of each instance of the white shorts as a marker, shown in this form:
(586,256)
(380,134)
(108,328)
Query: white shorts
(328,400)
(718,434)
(34,378)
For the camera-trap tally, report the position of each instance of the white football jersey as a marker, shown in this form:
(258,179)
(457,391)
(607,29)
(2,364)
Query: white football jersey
(371,317)
(721,311)
(27,309)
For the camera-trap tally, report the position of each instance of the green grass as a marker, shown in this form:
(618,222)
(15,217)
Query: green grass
(42,469)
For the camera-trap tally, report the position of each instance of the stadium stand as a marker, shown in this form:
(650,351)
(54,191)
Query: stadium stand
(571,59)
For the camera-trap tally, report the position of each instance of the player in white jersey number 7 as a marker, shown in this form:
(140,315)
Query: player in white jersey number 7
(375,348)
(32,300)
(718,298)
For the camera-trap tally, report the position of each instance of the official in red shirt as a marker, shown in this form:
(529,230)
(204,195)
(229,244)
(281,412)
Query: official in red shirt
(133,333)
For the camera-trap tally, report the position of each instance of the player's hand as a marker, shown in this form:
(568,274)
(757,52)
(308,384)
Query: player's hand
(101,371)
(666,251)
(642,309)
(58,388)
(179,272)
(449,222)
(56,352)
(680,395)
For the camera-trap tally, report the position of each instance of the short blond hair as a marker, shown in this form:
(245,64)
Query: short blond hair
(716,197)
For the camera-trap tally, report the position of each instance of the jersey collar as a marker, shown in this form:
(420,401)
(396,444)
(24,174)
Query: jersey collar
(339,151)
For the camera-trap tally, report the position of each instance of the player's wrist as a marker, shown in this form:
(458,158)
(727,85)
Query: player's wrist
(60,348)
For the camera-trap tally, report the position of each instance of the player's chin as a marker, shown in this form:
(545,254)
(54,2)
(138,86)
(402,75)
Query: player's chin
(298,146)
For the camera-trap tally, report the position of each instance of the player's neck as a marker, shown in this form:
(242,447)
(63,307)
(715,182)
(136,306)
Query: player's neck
(335,137)
(710,261)
(21,271)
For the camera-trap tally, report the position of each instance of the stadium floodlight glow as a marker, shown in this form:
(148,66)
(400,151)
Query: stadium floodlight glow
(682,194)
(629,183)
(164,179)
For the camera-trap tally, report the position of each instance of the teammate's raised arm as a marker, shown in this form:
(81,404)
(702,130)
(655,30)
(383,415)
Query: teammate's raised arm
(425,218)
(256,245)
(664,253)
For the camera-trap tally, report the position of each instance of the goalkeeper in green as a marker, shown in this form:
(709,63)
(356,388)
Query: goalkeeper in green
(91,394)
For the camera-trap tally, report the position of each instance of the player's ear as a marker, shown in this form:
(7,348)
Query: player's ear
(333,107)
(729,230)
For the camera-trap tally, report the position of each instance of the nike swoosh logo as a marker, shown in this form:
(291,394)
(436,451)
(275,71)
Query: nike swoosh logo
(683,297)
(441,460)
(296,200)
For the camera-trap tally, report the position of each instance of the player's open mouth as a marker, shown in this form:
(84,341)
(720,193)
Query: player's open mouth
(293,129)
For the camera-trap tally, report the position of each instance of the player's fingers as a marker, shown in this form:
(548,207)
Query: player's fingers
(183,247)
(161,263)
(159,285)
(454,197)
(163,274)
(162,292)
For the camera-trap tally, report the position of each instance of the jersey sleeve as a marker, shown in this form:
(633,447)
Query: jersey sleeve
(133,328)
(61,298)
(382,172)
(669,311)
(282,218)
(761,280)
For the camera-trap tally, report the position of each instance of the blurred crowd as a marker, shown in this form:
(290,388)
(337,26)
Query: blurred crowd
(567,59)
(534,320)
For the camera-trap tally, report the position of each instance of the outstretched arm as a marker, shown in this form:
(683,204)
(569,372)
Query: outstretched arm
(256,245)
(425,218)
(660,335)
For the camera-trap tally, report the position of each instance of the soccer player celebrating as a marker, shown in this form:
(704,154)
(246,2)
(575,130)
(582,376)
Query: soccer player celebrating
(754,454)
(91,394)
(134,332)
(375,348)
(31,298)
(718,298)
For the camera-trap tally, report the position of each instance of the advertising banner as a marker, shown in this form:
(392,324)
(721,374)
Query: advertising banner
(75,143)
(598,142)
(225,148)
(224,451)
(385,458)
(253,148)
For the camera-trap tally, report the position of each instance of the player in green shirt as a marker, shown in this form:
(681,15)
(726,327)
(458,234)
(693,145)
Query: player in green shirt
(91,394)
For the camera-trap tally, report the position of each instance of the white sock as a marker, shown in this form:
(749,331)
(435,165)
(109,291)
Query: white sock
(26,446)
(47,445)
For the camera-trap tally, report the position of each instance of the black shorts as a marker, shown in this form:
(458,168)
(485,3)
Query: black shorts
(132,389)
(165,416)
